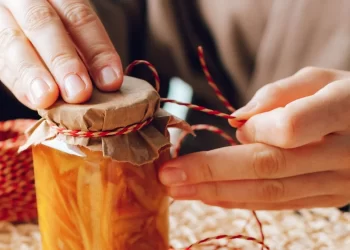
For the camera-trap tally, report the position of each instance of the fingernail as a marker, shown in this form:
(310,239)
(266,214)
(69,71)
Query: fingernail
(171,176)
(108,76)
(38,88)
(246,109)
(183,191)
(74,85)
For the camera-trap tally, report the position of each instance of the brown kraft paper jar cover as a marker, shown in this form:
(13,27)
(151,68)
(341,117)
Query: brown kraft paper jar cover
(103,193)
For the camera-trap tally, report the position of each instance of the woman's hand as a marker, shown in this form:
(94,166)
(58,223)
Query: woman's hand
(295,152)
(49,47)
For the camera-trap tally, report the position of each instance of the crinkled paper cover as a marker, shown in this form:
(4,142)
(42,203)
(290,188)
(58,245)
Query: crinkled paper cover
(135,102)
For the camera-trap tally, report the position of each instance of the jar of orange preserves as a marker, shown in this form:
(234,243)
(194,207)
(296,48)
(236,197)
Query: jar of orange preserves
(96,170)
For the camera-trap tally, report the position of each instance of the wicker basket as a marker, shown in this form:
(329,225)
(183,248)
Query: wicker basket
(191,221)
(17,193)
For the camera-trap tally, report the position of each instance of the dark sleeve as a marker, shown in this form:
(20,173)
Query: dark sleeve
(11,109)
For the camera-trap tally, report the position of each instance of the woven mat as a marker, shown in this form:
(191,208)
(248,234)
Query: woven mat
(192,221)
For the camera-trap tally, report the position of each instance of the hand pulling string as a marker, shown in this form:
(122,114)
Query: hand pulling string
(213,129)
(138,126)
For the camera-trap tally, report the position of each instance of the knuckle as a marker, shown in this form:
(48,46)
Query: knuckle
(271,89)
(207,173)
(315,71)
(100,54)
(61,59)
(7,36)
(38,16)
(26,71)
(24,74)
(23,69)
(78,14)
(272,190)
(309,70)
(268,163)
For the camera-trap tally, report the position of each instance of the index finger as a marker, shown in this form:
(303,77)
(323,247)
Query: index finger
(256,161)
(303,121)
(93,42)
(43,27)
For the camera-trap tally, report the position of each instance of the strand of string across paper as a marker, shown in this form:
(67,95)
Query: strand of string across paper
(213,129)
(236,123)
(135,127)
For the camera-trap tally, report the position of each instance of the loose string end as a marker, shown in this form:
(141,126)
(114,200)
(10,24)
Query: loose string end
(211,81)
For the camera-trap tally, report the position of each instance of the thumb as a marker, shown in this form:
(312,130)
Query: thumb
(304,83)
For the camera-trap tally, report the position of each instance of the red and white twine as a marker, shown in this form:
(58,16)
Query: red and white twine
(200,108)
(155,74)
(211,81)
(136,127)
(229,237)
(90,134)
(206,127)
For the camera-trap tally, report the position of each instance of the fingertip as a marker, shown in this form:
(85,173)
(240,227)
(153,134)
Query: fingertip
(241,137)
(109,78)
(247,111)
(77,88)
(43,92)
(235,123)
(250,130)
(49,99)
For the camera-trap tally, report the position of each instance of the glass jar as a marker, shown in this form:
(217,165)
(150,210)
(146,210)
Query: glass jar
(96,171)
(90,202)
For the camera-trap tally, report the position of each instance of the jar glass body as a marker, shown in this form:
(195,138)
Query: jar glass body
(94,202)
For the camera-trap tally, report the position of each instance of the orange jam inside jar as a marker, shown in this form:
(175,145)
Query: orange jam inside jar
(94,202)
(103,192)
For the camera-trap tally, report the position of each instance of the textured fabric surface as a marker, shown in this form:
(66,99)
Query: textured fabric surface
(325,229)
